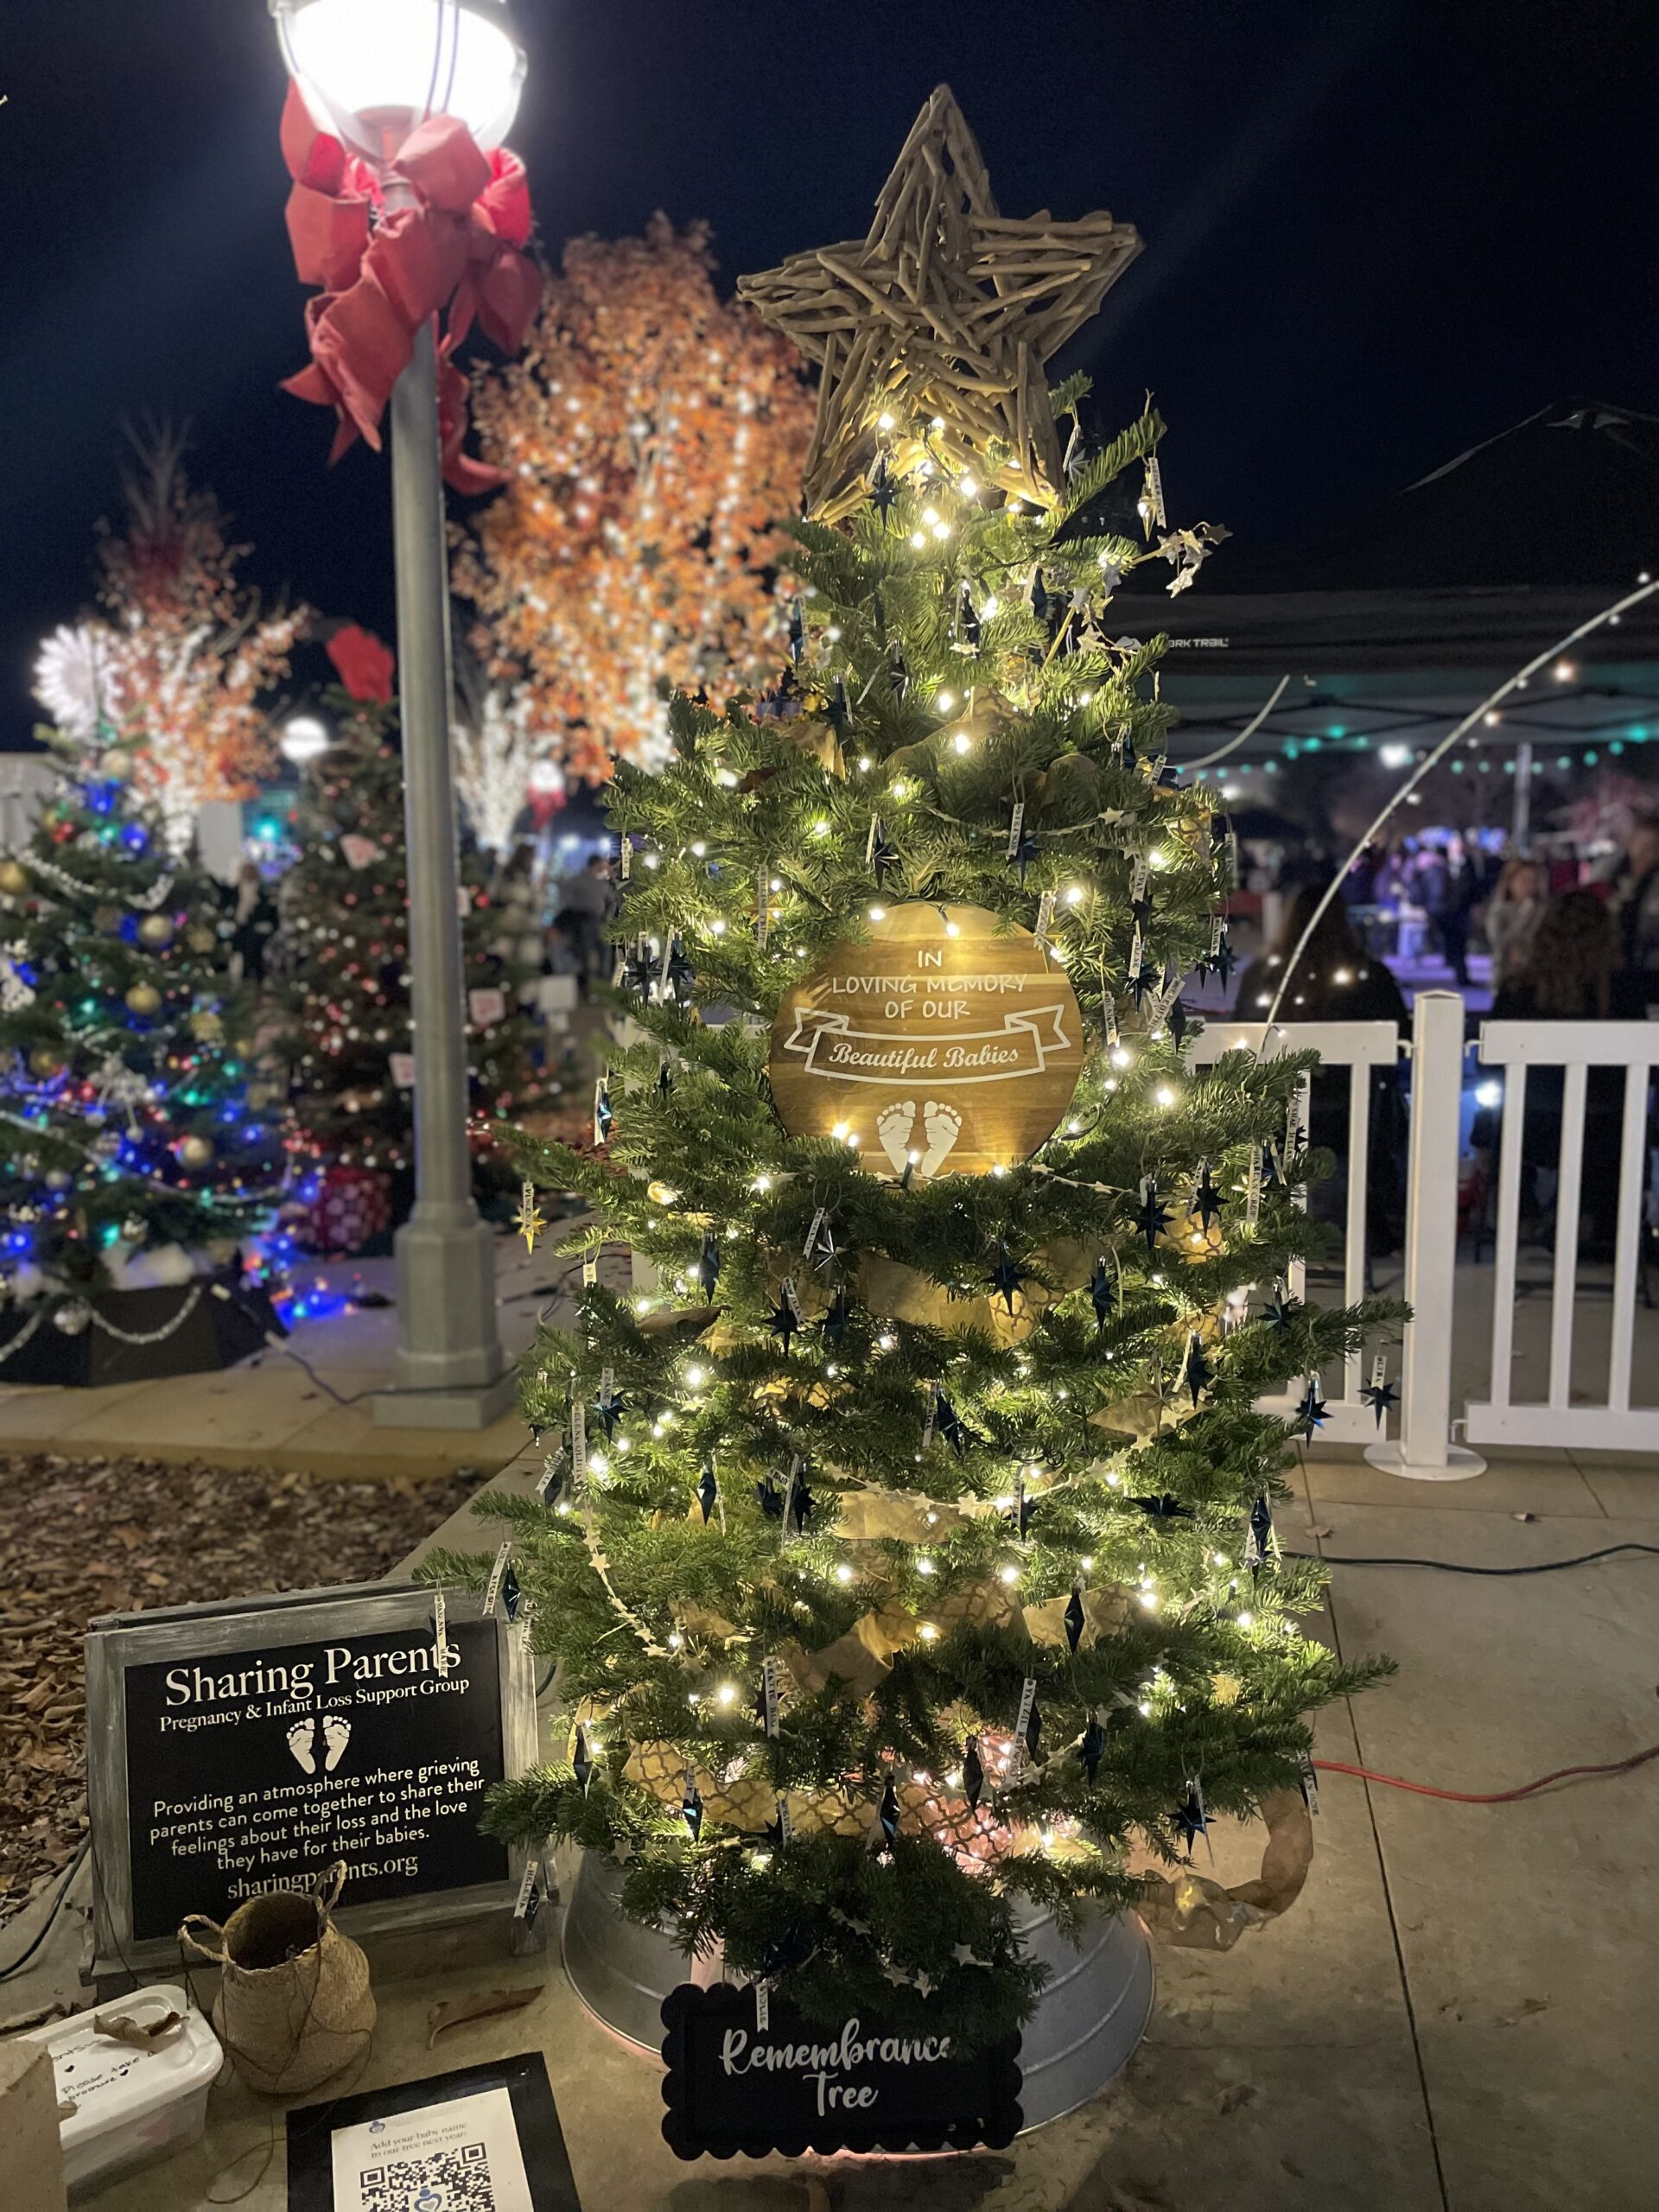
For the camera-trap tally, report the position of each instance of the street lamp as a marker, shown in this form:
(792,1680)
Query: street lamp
(304,738)
(370,72)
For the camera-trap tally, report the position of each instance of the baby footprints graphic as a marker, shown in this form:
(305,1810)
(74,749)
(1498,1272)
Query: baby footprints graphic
(336,1734)
(944,1126)
(895,1126)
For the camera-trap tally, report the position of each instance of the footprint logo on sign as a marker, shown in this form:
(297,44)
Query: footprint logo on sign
(299,1742)
(944,1126)
(893,1125)
(336,1734)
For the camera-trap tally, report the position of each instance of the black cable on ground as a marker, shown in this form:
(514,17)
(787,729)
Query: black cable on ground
(1450,1566)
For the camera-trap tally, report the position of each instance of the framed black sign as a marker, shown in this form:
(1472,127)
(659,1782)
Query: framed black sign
(235,1749)
(735,2085)
(485,2138)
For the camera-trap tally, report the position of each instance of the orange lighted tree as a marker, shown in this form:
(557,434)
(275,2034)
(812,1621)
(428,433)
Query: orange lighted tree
(186,650)
(655,436)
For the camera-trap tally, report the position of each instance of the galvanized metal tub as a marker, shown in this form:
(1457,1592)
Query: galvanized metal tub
(1089,2017)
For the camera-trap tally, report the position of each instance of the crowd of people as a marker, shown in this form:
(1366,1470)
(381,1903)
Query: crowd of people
(1585,949)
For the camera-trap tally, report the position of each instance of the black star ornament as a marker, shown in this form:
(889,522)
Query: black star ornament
(1206,1202)
(1074,1617)
(1101,1288)
(770,1498)
(1190,1820)
(1153,1217)
(888,1814)
(1006,1277)
(785,1323)
(708,1266)
(1380,1397)
(581,1765)
(973,1773)
(1092,1747)
(1310,1413)
(708,1489)
(839,1313)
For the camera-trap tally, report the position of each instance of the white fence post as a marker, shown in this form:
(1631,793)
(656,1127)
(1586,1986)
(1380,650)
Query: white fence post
(1425,1451)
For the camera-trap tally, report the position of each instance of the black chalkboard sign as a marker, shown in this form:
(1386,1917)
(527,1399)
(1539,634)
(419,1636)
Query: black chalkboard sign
(736,2086)
(239,1748)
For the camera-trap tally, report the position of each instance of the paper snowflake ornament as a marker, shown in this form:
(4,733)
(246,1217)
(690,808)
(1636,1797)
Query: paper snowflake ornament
(940,318)
(74,679)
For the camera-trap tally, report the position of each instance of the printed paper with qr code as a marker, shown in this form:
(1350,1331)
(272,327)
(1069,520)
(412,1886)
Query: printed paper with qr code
(459,2156)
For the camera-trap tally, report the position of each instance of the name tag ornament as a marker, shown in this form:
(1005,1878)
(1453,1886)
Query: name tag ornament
(947,1041)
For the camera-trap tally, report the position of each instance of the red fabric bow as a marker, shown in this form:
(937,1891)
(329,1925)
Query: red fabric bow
(458,246)
(363,664)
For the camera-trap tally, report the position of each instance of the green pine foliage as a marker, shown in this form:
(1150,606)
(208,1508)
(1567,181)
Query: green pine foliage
(131,1117)
(1114,1385)
(345,916)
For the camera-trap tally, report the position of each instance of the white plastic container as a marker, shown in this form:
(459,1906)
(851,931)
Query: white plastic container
(130,2106)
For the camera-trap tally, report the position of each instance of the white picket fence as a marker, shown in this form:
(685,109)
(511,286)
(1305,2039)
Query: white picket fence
(1574,1047)
(1565,1413)
(1359,1047)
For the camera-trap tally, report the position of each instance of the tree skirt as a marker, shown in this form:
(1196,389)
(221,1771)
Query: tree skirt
(133,1336)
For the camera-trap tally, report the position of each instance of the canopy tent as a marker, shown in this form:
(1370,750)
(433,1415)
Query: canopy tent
(1392,628)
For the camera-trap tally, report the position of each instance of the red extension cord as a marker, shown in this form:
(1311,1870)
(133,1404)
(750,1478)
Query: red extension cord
(1490,1796)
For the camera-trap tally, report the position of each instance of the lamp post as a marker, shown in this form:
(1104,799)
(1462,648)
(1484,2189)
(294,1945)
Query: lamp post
(370,71)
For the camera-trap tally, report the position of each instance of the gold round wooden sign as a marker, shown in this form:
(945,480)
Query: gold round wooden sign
(946,1042)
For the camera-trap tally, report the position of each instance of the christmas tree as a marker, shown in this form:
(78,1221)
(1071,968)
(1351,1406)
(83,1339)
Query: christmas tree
(136,1147)
(345,906)
(652,435)
(907,1546)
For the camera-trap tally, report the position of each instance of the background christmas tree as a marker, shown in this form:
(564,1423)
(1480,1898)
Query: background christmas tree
(653,435)
(132,1121)
(345,906)
(182,653)
(908,1548)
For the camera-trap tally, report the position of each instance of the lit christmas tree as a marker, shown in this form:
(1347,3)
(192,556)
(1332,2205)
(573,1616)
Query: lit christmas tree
(138,1146)
(345,909)
(179,659)
(653,436)
(907,1546)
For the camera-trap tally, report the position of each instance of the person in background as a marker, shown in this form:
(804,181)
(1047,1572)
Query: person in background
(1336,980)
(1635,903)
(586,902)
(1450,886)
(1576,974)
(1513,914)
(254,920)
(518,904)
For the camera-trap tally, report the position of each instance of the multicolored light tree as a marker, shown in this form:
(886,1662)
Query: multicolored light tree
(130,1118)
(655,436)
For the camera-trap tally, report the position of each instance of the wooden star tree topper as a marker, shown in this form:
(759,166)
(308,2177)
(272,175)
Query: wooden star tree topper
(941,320)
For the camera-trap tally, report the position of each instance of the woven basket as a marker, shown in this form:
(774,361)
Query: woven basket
(294,2007)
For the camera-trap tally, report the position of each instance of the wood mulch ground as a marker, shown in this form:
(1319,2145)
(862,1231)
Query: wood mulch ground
(79,1537)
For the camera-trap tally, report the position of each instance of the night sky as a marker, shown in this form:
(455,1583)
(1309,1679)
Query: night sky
(1375,232)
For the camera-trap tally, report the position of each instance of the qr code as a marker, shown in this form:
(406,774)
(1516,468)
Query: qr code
(448,2181)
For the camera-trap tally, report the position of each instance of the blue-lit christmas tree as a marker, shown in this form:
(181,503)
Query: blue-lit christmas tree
(138,1146)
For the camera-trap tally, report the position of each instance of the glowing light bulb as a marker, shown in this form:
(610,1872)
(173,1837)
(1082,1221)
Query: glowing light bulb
(1164,1095)
(1247,1620)
(1149,1600)
(924,1566)
(944,701)
(917,539)
(928,1632)
(1075,894)
(962,742)
(696,1378)
(884,421)
(676,1641)
(843,1573)
(878,913)
(726,1694)
(1008,1575)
